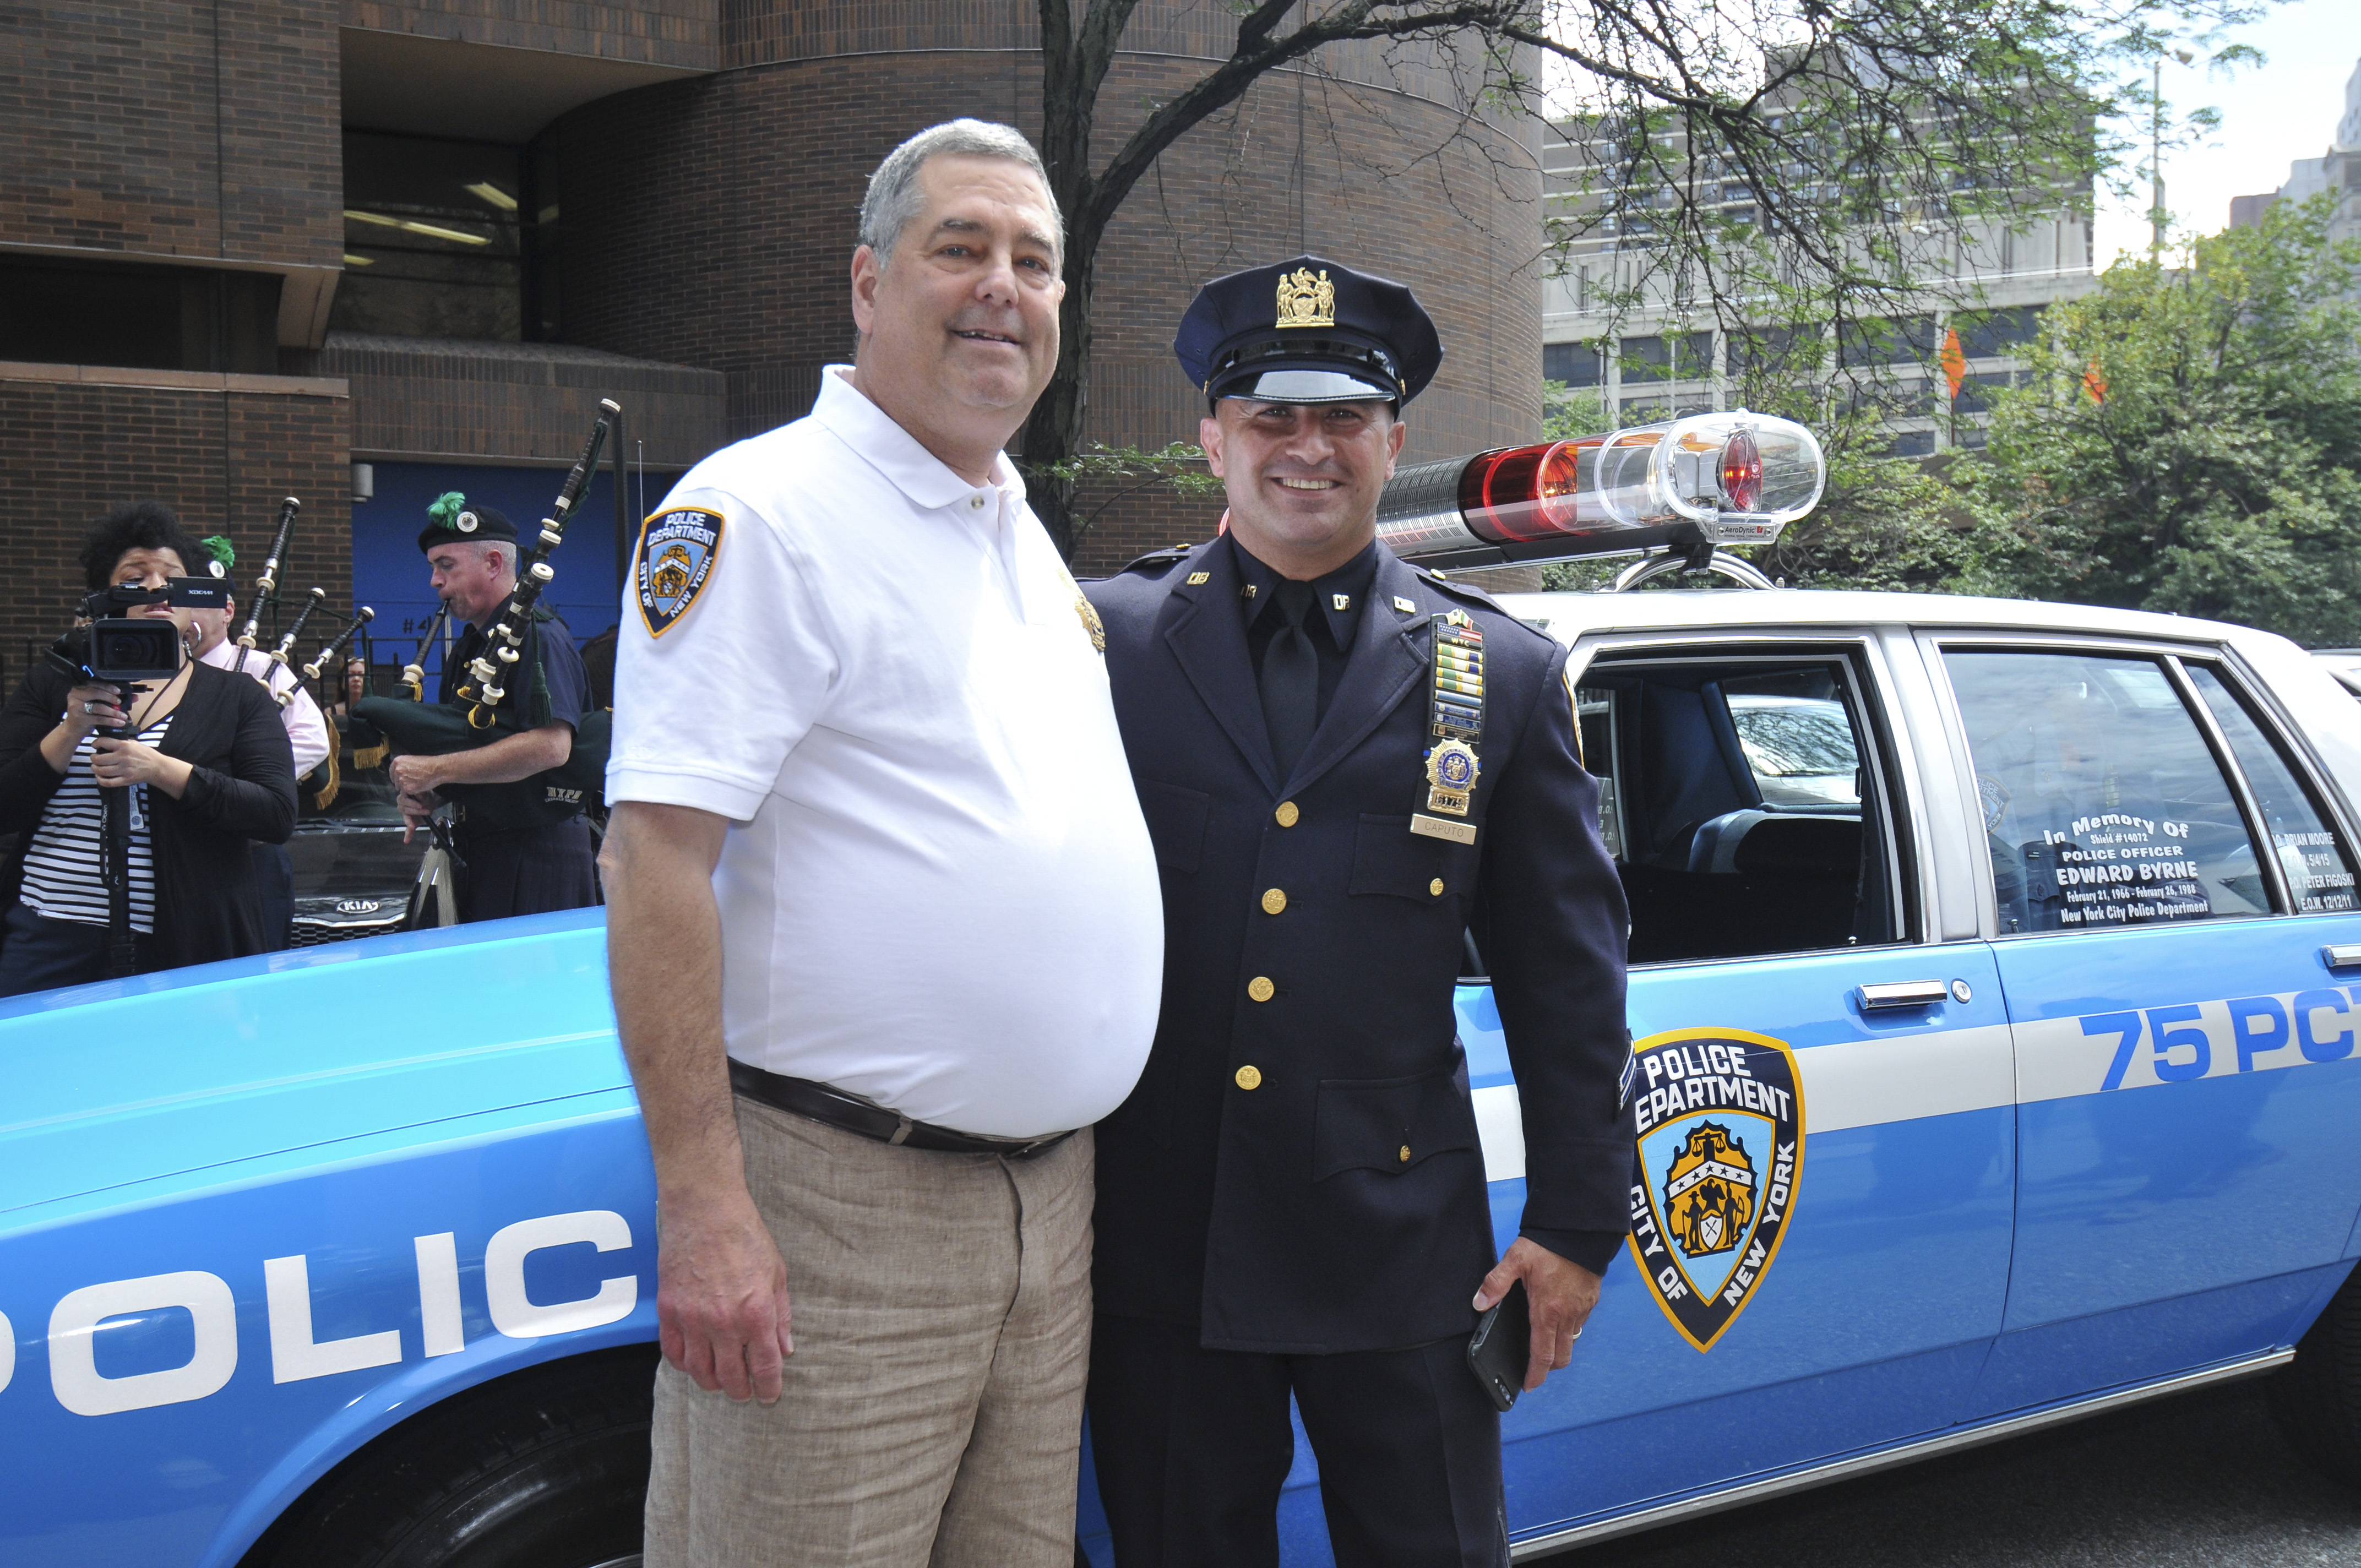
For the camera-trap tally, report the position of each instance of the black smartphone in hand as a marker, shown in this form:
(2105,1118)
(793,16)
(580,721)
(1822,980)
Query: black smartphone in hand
(1501,1346)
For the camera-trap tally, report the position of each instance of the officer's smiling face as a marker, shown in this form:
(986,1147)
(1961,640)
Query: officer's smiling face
(1302,478)
(963,310)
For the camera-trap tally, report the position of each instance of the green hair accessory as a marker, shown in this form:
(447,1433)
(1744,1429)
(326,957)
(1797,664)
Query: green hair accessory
(447,506)
(221,551)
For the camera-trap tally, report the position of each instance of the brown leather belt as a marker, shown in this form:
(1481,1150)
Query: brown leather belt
(802,1097)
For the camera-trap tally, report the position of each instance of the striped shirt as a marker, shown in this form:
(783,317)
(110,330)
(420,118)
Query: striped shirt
(62,879)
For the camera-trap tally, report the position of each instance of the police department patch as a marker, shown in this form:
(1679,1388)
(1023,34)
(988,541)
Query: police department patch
(677,552)
(1719,1121)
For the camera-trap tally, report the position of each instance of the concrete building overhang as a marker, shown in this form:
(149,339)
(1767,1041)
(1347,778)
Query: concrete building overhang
(423,85)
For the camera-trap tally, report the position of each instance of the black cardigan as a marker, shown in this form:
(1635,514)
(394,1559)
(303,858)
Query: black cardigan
(227,729)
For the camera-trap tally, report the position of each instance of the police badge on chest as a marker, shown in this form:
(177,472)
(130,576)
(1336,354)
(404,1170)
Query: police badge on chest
(1455,719)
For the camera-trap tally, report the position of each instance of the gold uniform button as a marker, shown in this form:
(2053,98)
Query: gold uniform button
(1249,1077)
(1436,887)
(1274,900)
(1262,989)
(1287,813)
(1405,1154)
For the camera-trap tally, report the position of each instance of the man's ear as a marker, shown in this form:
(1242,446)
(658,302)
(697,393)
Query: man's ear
(1394,439)
(1208,436)
(868,270)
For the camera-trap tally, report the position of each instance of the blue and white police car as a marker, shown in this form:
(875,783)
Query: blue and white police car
(1997,978)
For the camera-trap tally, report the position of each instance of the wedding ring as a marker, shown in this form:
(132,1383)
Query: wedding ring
(89,709)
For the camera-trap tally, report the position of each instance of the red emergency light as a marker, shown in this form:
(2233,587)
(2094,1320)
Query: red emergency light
(1726,478)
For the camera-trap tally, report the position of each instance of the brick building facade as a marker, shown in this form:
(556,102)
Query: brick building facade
(257,241)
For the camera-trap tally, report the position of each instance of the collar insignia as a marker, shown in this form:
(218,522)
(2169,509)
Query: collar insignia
(1404,604)
(1091,621)
(1718,1116)
(1341,601)
(1306,300)
(1198,579)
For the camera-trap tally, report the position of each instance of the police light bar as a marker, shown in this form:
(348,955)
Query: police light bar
(1727,477)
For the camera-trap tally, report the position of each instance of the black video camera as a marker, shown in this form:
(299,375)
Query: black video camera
(115,649)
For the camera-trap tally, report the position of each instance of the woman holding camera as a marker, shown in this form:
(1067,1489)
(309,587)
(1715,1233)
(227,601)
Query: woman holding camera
(208,766)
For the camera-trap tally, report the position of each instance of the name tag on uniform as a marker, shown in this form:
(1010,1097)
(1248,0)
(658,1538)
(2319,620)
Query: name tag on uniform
(1437,828)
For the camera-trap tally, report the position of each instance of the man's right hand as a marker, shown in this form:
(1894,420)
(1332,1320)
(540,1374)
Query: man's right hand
(722,1313)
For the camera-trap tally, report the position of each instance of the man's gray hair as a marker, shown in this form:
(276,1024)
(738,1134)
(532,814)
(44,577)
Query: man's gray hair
(892,198)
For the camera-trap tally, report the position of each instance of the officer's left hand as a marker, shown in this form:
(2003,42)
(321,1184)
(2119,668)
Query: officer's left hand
(1559,1295)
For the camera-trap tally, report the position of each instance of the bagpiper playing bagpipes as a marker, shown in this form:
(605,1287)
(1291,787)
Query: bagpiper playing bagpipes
(508,755)
(307,728)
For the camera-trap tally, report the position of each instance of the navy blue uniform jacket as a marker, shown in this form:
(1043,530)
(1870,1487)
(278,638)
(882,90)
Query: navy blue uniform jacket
(1286,1218)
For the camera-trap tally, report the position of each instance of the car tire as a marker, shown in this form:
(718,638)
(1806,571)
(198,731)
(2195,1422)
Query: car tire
(545,1468)
(2316,1398)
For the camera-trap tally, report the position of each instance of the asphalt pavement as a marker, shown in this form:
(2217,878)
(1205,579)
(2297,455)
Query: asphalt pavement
(2202,1479)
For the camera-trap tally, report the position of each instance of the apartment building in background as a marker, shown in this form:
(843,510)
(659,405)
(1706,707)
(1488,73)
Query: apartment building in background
(2338,170)
(1662,356)
(365,251)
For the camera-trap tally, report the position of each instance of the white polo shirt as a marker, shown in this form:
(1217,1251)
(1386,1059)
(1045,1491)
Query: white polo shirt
(937,890)
(307,730)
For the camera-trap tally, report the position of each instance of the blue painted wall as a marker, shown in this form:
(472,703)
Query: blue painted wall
(389,574)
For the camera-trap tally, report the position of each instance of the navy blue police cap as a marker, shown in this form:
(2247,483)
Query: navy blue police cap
(455,519)
(1307,331)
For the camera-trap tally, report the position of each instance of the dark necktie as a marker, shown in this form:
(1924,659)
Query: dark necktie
(1290,679)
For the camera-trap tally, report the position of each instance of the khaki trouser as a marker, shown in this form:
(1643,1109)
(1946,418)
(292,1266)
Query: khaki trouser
(932,1411)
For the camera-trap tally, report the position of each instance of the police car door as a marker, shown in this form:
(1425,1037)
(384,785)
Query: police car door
(1821,1187)
(2186,1177)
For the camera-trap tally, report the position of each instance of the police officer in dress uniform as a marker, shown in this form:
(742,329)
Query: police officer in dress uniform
(1346,763)
(471,549)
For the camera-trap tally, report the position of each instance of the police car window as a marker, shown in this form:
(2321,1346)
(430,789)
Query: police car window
(1796,738)
(1737,799)
(2315,858)
(2102,805)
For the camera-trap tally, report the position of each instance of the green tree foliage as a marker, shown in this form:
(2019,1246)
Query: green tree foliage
(2189,440)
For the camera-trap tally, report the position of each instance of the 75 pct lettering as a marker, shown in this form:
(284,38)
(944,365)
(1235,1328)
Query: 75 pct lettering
(2181,1041)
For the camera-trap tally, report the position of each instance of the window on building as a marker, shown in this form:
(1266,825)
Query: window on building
(1573,363)
(1882,342)
(152,318)
(1975,391)
(447,240)
(1682,357)
(1984,334)
(1767,353)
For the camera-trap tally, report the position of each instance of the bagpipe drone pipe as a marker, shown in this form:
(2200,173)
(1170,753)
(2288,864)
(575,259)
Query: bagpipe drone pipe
(504,691)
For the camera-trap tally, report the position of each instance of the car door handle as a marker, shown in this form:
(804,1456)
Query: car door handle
(2342,955)
(1889,994)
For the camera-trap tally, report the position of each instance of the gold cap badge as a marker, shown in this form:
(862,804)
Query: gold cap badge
(1306,300)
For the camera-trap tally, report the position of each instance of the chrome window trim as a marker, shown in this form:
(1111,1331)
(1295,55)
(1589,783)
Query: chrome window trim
(2267,853)
(2243,680)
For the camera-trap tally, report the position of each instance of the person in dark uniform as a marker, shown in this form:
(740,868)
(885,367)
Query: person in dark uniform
(471,551)
(1348,766)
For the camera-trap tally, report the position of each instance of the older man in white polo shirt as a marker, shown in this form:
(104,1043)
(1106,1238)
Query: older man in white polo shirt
(873,835)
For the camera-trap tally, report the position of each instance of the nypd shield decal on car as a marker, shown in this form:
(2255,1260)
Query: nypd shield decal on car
(677,552)
(1719,1130)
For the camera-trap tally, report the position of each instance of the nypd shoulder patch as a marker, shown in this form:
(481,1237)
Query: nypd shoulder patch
(675,558)
(1718,1116)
